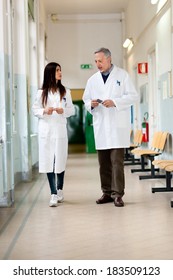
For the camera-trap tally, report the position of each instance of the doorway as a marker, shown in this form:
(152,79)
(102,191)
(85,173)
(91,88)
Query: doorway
(152,91)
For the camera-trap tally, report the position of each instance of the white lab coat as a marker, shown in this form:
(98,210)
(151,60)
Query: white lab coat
(52,131)
(111,125)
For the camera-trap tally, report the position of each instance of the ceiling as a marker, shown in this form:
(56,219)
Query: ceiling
(84,6)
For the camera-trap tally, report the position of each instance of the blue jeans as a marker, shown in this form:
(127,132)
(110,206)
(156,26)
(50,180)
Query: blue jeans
(55,185)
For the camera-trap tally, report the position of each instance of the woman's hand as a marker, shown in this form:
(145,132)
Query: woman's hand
(48,110)
(59,110)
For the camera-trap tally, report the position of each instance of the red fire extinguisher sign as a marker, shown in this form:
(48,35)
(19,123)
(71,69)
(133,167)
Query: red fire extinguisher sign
(143,68)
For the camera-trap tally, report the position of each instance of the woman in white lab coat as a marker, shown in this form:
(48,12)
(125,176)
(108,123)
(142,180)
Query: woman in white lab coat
(108,96)
(53,105)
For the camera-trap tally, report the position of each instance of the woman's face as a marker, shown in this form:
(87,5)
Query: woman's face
(58,74)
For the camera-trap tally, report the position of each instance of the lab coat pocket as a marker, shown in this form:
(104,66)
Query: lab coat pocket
(64,102)
(116,90)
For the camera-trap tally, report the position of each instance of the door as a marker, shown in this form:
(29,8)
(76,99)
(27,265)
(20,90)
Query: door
(152,90)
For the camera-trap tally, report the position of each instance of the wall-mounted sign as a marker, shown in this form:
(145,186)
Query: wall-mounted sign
(143,68)
(86,66)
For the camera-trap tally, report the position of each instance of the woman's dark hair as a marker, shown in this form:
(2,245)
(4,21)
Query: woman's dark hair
(49,82)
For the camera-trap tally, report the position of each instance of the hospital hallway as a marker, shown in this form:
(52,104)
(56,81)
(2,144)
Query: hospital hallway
(79,229)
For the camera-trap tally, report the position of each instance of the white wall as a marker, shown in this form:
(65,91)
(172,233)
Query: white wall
(139,13)
(147,31)
(72,41)
(150,28)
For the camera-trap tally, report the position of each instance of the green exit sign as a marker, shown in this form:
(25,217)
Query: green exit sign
(86,66)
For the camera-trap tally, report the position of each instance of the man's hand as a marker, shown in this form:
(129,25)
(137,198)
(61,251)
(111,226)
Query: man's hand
(108,103)
(94,103)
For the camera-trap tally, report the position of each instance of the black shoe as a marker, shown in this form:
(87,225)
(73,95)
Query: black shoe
(104,199)
(118,202)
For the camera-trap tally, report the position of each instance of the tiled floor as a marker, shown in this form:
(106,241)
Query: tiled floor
(81,229)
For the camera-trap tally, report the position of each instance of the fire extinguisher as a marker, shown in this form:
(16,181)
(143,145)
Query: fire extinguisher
(145,129)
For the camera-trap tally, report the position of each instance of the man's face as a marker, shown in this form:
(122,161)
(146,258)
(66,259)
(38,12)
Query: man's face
(103,63)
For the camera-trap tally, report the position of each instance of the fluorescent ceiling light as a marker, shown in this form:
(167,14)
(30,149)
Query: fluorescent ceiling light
(128,42)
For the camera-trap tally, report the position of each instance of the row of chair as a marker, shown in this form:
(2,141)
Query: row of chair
(143,154)
(166,165)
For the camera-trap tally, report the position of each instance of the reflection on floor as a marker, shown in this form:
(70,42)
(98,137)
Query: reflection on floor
(81,229)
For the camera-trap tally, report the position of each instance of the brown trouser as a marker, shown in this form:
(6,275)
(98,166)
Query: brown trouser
(112,171)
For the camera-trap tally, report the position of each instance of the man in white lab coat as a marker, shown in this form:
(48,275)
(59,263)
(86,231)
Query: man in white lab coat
(108,96)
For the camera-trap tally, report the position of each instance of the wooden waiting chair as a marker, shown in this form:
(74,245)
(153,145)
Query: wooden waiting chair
(169,170)
(168,167)
(162,162)
(137,140)
(157,148)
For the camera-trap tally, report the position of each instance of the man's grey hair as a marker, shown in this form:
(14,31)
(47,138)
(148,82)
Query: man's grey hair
(106,52)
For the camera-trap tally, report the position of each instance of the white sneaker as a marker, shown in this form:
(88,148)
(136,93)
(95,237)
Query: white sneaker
(60,197)
(53,200)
